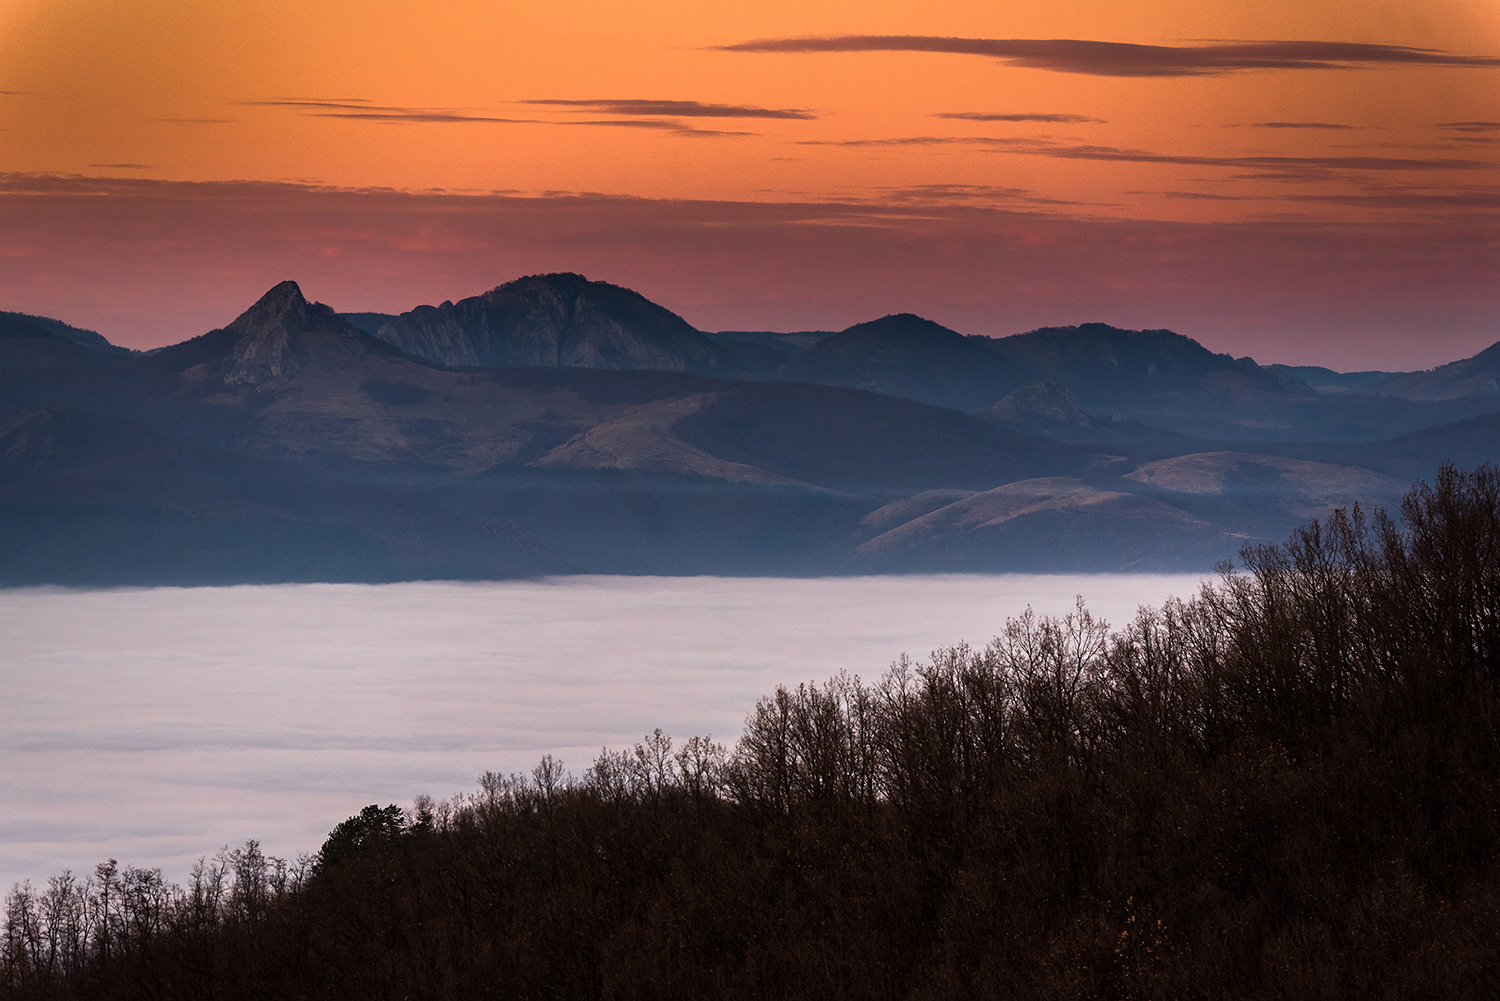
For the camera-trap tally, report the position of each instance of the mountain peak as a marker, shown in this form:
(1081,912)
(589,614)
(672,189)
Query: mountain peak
(283,302)
(263,347)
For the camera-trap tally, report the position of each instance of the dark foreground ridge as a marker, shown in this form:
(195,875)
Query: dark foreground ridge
(1285,787)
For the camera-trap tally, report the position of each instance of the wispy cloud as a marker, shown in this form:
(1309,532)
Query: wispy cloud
(960,194)
(1470,126)
(985,116)
(360,109)
(123,166)
(1272,167)
(1300,125)
(1196,196)
(191,121)
(1068,55)
(363,110)
(677,109)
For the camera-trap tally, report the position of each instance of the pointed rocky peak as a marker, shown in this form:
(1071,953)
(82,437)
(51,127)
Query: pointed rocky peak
(265,335)
(283,306)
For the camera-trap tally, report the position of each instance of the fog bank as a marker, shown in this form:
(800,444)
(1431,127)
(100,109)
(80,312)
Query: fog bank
(154,726)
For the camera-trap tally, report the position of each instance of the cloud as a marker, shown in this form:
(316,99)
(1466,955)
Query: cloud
(1301,165)
(1300,125)
(1273,167)
(937,194)
(1470,126)
(1476,197)
(678,109)
(982,116)
(360,109)
(1198,196)
(183,719)
(122,166)
(1125,59)
(663,125)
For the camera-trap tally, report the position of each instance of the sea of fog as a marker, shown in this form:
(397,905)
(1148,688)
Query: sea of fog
(154,726)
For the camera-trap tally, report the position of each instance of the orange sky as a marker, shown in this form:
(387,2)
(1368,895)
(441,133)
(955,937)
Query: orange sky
(1219,157)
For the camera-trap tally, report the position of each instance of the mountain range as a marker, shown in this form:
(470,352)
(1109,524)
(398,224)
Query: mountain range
(556,424)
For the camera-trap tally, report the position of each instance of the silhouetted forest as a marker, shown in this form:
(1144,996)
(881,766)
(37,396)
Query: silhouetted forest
(1287,786)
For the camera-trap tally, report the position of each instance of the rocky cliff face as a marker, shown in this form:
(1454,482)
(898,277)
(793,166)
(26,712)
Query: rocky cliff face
(265,335)
(554,320)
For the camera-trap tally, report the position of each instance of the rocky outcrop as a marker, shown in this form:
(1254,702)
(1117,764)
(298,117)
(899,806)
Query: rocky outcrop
(1048,401)
(264,332)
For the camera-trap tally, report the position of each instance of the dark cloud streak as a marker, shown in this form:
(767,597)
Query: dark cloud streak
(677,109)
(1125,59)
(983,116)
(356,109)
(365,111)
(1287,167)
(1300,125)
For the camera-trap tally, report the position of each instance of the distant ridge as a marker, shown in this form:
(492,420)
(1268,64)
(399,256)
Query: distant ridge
(603,434)
(83,338)
(1479,375)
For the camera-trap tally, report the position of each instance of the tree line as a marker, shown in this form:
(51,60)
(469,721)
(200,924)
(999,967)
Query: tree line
(1287,785)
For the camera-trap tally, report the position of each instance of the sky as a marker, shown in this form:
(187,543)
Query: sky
(1304,183)
(156,726)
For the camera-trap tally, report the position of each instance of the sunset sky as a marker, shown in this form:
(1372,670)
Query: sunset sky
(1307,183)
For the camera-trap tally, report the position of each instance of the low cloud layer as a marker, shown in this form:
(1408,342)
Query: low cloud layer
(1125,59)
(156,726)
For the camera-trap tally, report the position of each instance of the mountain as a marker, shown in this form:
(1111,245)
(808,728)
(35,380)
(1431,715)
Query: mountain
(1129,385)
(1476,376)
(293,444)
(1106,366)
(556,320)
(290,445)
(1326,380)
(905,355)
(265,346)
(83,338)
